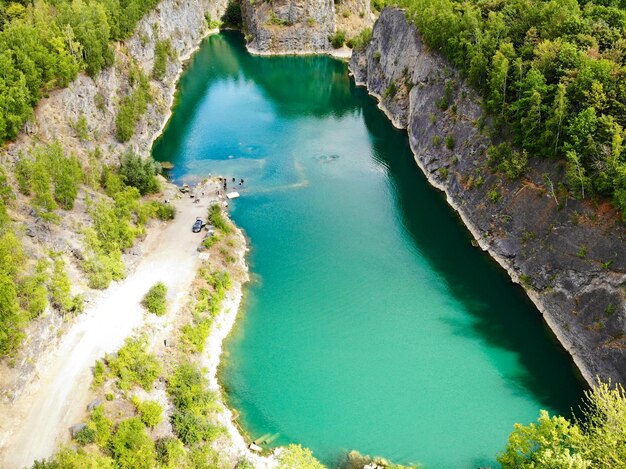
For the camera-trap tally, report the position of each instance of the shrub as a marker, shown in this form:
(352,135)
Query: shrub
(171,453)
(450,142)
(155,300)
(164,211)
(132,447)
(297,456)
(378,5)
(493,195)
(338,39)
(133,364)
(23,174)
(163,51)
(445,101)
(99,374)
(85,436)
(81,128)
(194,336)
(60,287)
(33,293)
(391,90)
(503,158)
(150,412)
(360,42)
(187,387)
(218,220)
(102,426)
(71,458)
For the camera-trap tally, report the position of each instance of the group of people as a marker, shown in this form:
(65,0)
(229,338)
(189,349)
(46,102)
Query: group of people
(224,182)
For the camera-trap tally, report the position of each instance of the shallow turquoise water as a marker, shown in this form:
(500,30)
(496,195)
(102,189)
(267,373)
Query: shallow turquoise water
(371,322)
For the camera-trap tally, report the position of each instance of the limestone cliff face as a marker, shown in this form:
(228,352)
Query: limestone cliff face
(288,26)
(301,26)
(569,256)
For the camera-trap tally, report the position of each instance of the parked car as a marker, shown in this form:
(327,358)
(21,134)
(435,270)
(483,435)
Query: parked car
(197,226)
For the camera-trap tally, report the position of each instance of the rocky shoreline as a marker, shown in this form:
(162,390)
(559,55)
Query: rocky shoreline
(567,254)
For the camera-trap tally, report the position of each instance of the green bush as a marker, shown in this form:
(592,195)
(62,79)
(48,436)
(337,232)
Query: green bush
(218,220)
(139,172)
(450,142)
(391,90)
(503,158)
(360,41)
(133,364)
(150,412)
(102,425)
(132,447)
(155,300)
(163,51)
(194,336)
(171,453)
(297,456)
(85,436)
(193,403)
(338,39)
(33,293)
(69,458)
(60,287)
(99,374)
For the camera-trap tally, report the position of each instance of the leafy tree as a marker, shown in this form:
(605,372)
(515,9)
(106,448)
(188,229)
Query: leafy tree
(60,287)
(140,172)
(297,456)
(598,440)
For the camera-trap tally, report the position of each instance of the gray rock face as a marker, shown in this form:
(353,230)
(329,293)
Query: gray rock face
(568,255)
(288,26)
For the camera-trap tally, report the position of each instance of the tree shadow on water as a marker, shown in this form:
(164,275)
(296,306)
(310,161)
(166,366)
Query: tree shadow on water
(502,315)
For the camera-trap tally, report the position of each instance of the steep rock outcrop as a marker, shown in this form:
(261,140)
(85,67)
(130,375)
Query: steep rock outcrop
(301,26)
(568,255)
(288,26)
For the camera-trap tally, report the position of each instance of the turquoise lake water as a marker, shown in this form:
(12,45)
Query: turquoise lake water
(371,322)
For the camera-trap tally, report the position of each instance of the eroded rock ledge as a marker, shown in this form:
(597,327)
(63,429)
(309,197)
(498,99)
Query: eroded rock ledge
(569,256)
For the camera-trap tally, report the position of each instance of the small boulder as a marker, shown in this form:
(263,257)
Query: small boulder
(93,404)
(74,429)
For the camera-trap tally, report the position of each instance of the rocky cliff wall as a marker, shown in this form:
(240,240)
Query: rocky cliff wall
(288,26)
(301,26)
(568,255)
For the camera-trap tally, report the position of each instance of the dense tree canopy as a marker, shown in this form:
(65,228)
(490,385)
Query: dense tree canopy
(43,45)
(554,71)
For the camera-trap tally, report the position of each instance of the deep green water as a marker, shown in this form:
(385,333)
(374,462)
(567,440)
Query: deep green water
(371,322)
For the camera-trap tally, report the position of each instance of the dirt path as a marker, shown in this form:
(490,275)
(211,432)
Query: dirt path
(35,424)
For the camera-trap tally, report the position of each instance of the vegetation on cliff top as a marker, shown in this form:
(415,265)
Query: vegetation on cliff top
(43,45)
(553,71)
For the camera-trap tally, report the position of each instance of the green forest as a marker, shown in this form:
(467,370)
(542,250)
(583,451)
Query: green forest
(552,73)
(44,44)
